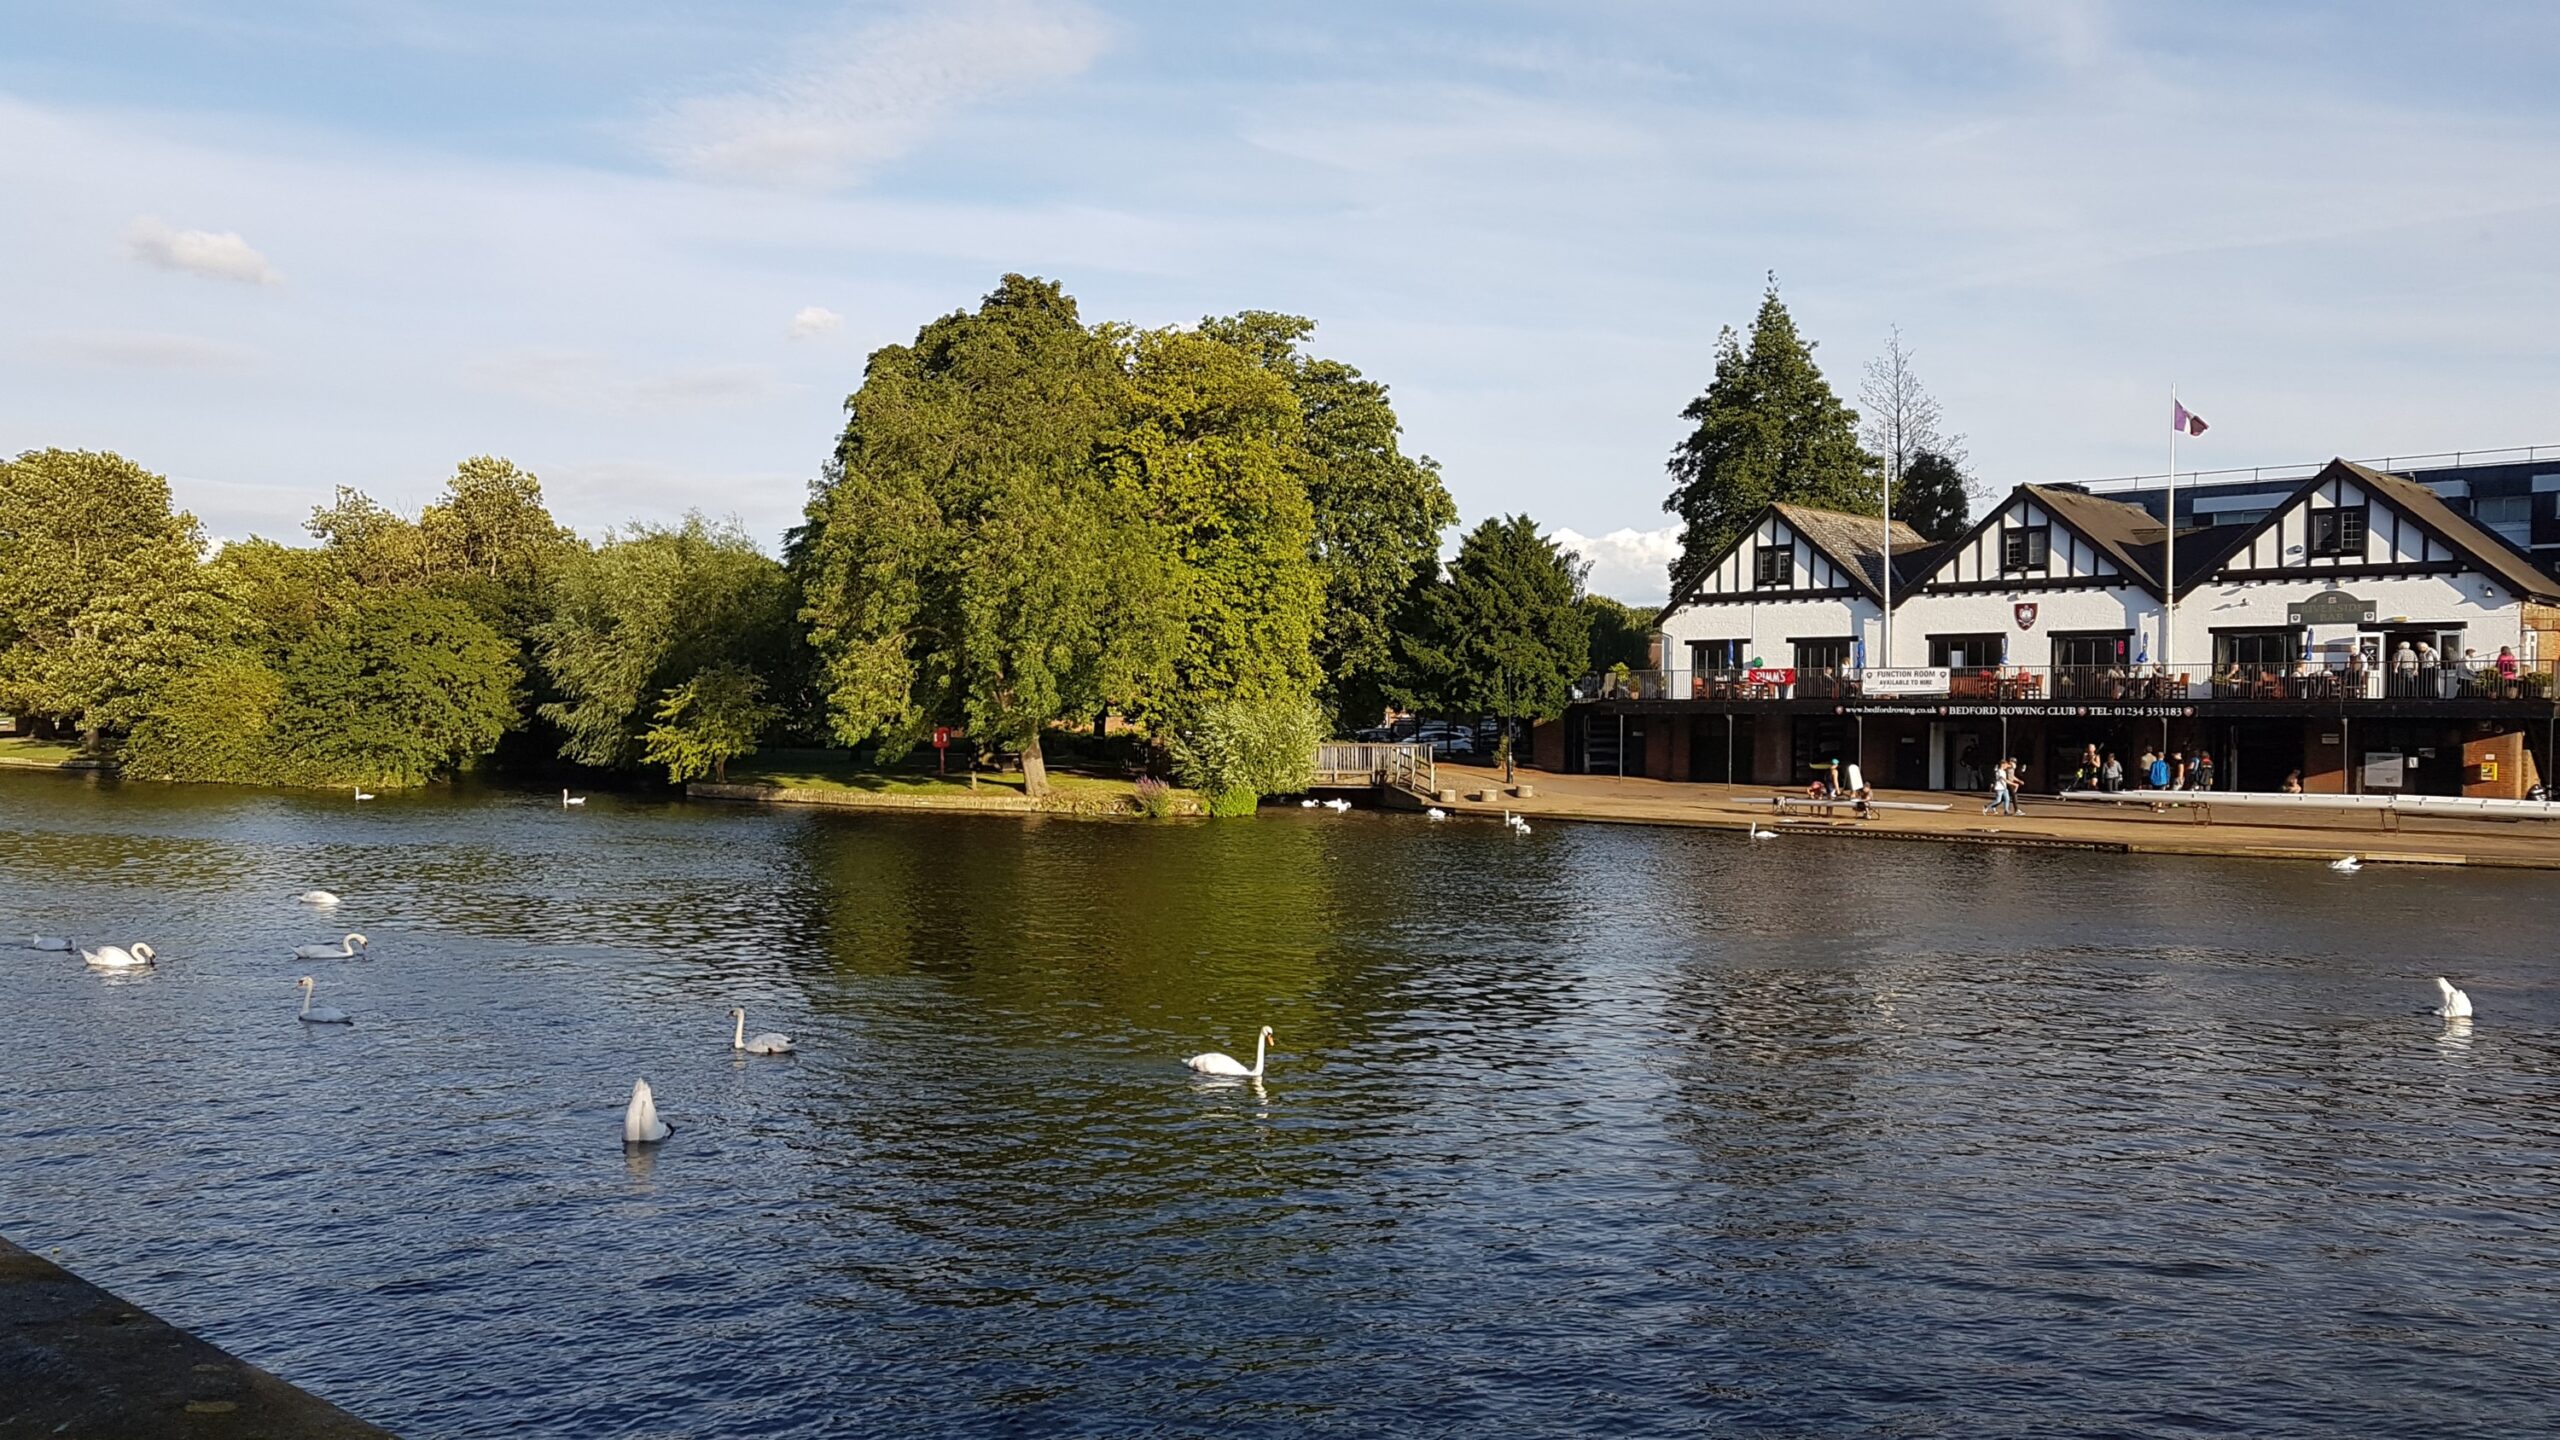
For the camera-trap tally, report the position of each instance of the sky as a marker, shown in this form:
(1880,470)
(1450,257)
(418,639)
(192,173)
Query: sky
(642,249)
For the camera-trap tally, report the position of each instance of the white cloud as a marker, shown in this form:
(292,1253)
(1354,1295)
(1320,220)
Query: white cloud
(876,94)
(1626,564)
(222,256)
(144,350)
(813,321)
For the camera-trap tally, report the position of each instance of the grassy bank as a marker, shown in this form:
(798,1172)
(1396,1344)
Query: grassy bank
(37,754)
(832,777)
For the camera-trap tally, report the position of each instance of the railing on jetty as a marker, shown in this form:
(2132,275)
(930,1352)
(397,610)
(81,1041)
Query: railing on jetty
(1350,764)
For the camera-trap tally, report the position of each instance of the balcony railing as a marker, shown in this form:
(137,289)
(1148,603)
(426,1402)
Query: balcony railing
(2312,681)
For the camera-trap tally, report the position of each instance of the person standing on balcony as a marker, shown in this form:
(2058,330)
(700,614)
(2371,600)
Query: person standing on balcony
(2508,671)
(2404,670)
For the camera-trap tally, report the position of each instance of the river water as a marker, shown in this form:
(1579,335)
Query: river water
(1597,1131)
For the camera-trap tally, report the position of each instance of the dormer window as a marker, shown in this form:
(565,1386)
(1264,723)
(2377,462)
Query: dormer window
(2025,548)
(2339,531)
(1774,567)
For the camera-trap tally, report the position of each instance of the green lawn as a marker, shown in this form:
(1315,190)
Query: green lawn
(836,770)
(17,750)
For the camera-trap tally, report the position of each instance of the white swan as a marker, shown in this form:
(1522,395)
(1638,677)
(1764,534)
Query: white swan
(1309,804)
(347,949)
(1435,813)
(640,1122)
(361,795)
(1759,834)
(1218,1062)
(112,957)
(2346,865)
(767,1043)
(324,1015)
(1520,827)
(1337,806)
(47,942)
(2456,1006)
(566,801)
(1516,822)
(322,898)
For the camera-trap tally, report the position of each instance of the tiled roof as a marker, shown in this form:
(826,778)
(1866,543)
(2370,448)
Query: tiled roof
(1855,543)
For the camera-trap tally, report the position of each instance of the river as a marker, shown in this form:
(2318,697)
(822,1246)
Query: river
(1596,1131)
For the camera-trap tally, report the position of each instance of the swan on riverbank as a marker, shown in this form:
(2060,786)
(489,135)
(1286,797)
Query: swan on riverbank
(640,1122)
(47,942)
(322,898)
(2456,1006)
(1217,1062)
(2346,864)
(347,949)
(767,1043)
(115,957)
(322,1015)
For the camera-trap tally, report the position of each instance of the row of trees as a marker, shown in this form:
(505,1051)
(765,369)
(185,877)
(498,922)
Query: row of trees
(391,650)
(1769,428)
(1028,522)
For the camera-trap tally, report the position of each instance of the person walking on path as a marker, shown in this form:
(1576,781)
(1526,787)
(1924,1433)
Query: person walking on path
(1999,790)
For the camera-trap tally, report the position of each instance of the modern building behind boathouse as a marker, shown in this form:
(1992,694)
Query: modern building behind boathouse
(2350,628)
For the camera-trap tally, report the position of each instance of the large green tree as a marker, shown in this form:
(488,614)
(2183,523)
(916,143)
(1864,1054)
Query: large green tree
(1504,634)
(966,561)
(1935,496)
(1208,451)
(645,612)
(1767,428)
(400,689)
(100,590)
(1378,512)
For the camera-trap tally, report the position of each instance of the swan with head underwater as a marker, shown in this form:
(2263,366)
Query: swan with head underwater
(321,1015)
(768,1043)
(116,957)
(347,949)
(322,898)
(56,943)
(1218,1062)
(2346,864)
(640,1122)
(2456,1005)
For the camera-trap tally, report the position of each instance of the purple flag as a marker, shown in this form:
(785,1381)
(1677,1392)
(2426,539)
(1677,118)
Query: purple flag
(2182,418)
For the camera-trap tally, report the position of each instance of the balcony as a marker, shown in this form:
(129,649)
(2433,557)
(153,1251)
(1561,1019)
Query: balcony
(2292,686)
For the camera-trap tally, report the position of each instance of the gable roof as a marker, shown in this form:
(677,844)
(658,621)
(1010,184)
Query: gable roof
(2483,549)
(1852,543)
(2126,534)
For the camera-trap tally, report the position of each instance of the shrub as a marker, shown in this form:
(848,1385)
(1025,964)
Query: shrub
(1257,747)
(1231,803)
(1155,798)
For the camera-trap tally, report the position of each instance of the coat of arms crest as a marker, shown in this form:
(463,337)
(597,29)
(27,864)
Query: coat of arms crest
(2026,614)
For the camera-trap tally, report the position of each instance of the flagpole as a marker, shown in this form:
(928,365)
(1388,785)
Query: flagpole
(2169,582)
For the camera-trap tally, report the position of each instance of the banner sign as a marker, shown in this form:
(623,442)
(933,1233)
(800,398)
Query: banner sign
(2385,770)
(2062,712)
(1919,680)
(2330,607)
(1769,677)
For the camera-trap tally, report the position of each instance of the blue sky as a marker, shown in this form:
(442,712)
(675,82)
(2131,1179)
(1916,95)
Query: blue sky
(642,249)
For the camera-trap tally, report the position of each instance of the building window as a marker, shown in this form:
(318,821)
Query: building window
(1775,565)
(2338,531)
(1822,655)
(2097,651)
(2025,547)
(2508,515)
(1965,652)
(2256,652)
(1715,654)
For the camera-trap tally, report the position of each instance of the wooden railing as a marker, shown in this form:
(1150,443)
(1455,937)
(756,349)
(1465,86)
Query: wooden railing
(1352,763)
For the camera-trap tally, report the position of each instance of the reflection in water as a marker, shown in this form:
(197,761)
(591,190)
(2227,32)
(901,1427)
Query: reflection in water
(1597,1131)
